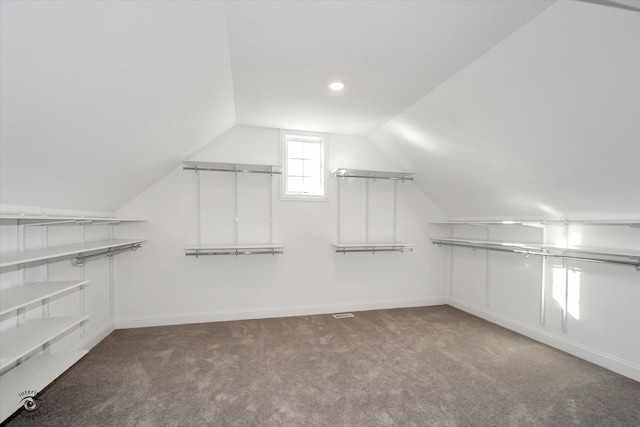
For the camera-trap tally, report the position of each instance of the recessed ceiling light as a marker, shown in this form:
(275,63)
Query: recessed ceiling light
(336,85)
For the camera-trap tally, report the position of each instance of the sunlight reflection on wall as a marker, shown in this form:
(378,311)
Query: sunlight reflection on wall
(566,289)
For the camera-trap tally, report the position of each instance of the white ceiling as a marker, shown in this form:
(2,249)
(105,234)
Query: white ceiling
(98,100)
(389,53)
(547,124)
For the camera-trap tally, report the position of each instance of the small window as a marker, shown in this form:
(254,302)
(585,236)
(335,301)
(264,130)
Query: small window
(304,165)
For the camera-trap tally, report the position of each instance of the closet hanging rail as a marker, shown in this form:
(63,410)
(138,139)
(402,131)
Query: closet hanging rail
(368,174)
(236,250)
(231,167)
(343,248)
(548,251)
(634,223)
(80,259)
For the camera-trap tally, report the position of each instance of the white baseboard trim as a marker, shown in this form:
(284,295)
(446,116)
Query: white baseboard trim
(227,315)
(98,336)
(592,355)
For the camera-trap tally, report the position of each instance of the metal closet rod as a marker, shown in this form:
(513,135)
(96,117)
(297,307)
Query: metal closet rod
(80,259)
(75,221)
(527,252)
(374,177)
(210,169)
(374,250)
(235,252)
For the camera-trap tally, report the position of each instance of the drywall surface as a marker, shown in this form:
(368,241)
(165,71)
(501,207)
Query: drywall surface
(163,286)
(101,99)
(389,53)
(529,294)
(547,123)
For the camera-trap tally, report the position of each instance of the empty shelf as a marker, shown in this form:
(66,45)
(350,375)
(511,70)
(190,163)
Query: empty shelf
(21,296)
(20,341)
(231,167)
(33,255)
(34,374)
(249,249)
(373,247)
(42,219)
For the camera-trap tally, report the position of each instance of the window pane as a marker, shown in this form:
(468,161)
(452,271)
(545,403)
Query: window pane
(295,185)
(311,168)
(295,167)
(304,168)
(312,185)
(295,149)
(312,151)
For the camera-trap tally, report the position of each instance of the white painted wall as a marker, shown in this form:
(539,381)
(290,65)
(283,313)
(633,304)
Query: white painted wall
(163,286)
(545,124)
(603,321)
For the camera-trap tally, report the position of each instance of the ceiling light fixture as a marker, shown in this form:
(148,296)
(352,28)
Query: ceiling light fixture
(336,85)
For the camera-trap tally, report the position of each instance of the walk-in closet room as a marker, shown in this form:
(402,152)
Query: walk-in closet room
(320,213)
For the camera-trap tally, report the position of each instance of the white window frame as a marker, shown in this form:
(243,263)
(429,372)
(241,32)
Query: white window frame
(323,139)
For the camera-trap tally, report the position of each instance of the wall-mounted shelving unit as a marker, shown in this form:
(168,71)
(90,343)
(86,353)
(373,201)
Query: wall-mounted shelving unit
(22,296)
(43,219)
(25,357)
(542,223)
(366,246)
(236,249)
(32,334)
(566,253)
(81,250)
(603,255)
(40,371)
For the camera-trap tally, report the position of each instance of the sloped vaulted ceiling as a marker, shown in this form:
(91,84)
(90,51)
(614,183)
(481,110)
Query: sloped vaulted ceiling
(100,99)
(389,53)
(493,103)
(546,124)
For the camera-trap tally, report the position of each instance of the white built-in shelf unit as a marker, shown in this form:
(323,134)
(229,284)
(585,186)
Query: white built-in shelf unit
(38,372)
(203,249)
(81,250)
(44,219)
(577,253)
(367,246)
(23,296)
(21,365)
(32,334)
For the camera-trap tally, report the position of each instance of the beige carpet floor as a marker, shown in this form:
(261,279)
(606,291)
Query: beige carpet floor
(430,366)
